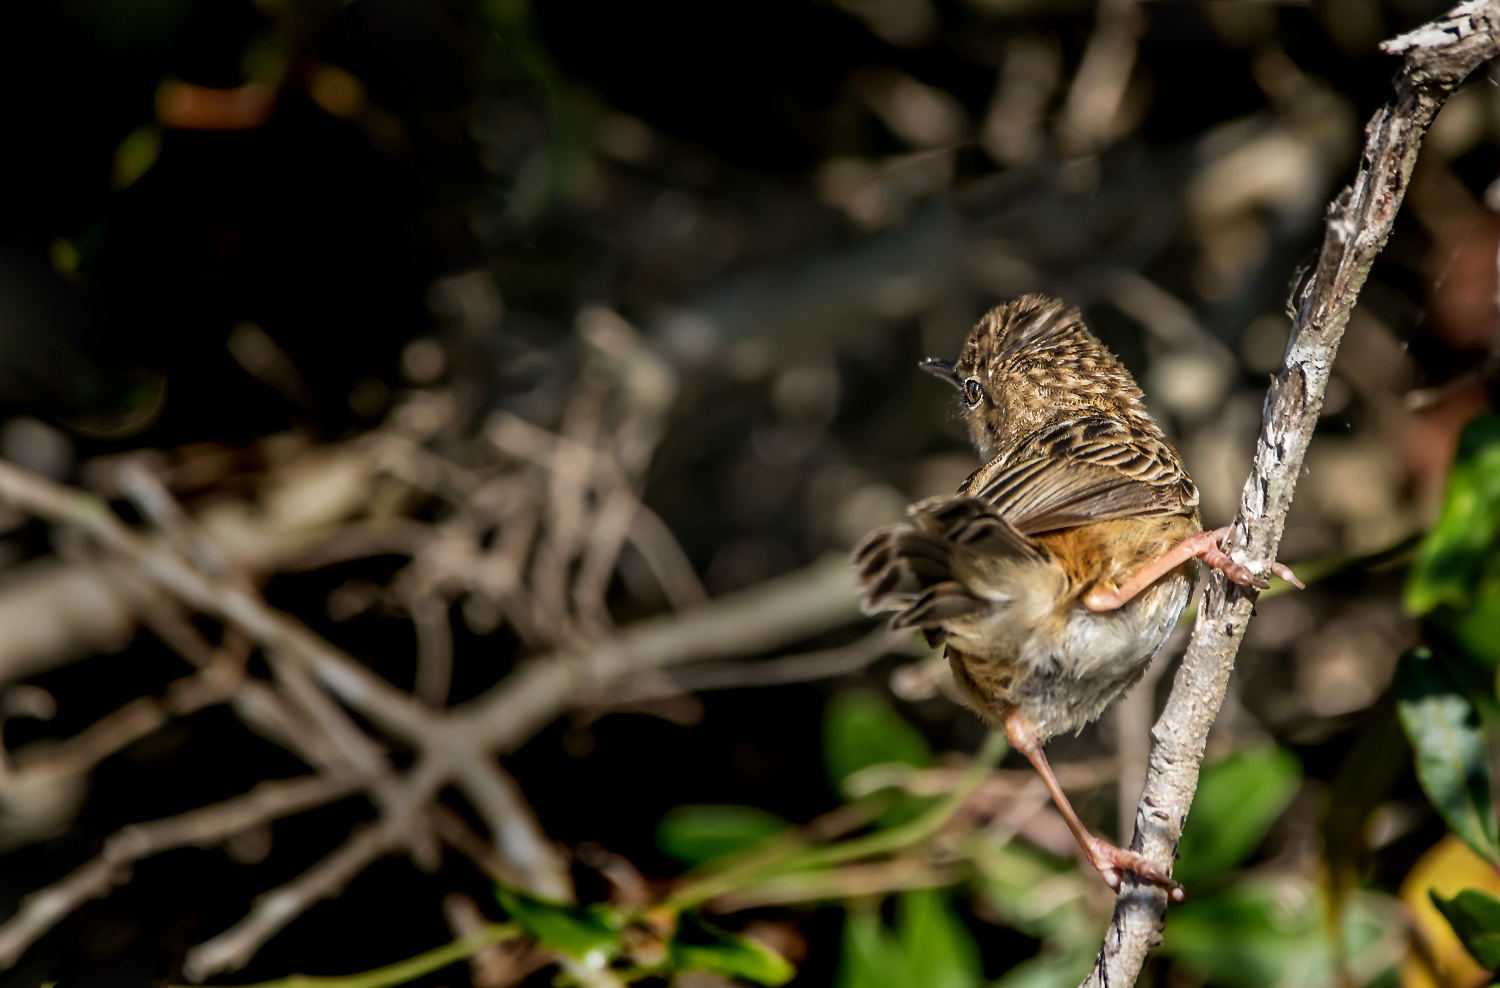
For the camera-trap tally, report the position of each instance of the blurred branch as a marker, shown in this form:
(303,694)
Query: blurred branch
(233,948)
(43,909)
(1437,57)
(1099,87)
(455,746)
(53,613)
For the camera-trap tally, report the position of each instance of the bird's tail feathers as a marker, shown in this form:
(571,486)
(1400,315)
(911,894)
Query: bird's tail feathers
(910,568)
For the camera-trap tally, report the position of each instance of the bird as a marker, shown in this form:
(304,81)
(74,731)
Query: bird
(1062,564)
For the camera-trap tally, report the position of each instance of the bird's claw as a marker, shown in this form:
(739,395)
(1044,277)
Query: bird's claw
(1110,861)
(1241,575)
(1285,572)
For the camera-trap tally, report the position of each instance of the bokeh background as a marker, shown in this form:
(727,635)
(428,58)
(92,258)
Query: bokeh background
(233,229)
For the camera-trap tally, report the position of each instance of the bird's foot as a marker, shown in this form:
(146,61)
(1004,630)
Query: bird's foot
(1213,555)
(1111,861)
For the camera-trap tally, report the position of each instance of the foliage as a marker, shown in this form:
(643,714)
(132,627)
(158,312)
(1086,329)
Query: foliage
(1238,799)
(1475,917)
(1452,762)
(589,933)
(1455,583)
(930,946)
(697,946)
(596,936)
(1456,575)
(860,731)
(697,834)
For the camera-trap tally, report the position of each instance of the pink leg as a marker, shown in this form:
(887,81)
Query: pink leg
(1104,856)
(1205,546)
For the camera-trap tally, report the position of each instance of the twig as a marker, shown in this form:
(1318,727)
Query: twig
(878,878)
(408,970)
(771,615)
(429,615)
(801,668)
(455,831)
(272,910)
(1438,57)
(516,437)
(44,908)
(777,857)
(498,965)
(515,828)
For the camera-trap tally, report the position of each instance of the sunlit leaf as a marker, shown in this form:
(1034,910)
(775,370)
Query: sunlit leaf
(1238,800)
(699,833)
(935,941)
(870,956)
(589,933)
(1452,763)
(1475,917)
(860,729)
(698,946)
(1454,555)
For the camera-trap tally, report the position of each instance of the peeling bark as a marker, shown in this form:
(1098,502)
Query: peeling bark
(1437,57)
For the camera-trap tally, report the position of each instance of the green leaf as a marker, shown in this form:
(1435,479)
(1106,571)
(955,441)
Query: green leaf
(1476,625)
(1459,548)
(700,833)
(1238,800)
(870,956)
(860,729)
(1251,936)
(1475,917)
(1063,969)
(589,933)
(697,946)
(1452,763)
(935,941)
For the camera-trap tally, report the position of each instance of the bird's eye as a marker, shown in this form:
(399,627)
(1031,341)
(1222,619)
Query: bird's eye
(973,392)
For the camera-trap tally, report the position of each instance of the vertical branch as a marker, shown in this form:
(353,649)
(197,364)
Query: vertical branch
(1437,57)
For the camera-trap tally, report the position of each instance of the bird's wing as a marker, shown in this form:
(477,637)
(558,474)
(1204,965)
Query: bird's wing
(1083,471)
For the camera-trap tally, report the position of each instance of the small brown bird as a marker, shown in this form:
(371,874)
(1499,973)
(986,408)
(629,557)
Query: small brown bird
(1063,563)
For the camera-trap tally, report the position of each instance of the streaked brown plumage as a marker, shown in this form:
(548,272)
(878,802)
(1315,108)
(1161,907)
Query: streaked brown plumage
(1061,565)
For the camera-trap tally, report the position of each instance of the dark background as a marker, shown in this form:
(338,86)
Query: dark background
(328,232)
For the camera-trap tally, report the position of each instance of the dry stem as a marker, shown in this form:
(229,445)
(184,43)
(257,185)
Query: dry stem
(42,909)
(1438,57)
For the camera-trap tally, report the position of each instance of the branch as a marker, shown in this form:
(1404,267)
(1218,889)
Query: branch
(53,613)
(1437,57)
(455,745)
(44,908)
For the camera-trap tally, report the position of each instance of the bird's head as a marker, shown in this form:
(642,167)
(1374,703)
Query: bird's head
(1030,361)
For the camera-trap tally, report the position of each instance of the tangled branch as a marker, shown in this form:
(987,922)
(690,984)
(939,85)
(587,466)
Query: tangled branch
(533,536)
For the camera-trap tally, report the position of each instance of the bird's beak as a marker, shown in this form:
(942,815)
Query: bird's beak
(943,369)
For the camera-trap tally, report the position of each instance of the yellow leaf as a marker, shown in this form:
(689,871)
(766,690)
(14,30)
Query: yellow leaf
(1447,868)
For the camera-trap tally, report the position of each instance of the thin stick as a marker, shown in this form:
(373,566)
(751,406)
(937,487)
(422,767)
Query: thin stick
(1438,57)
(429,615)
(514,827)
(403,971)
(44,908)
(232,949)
